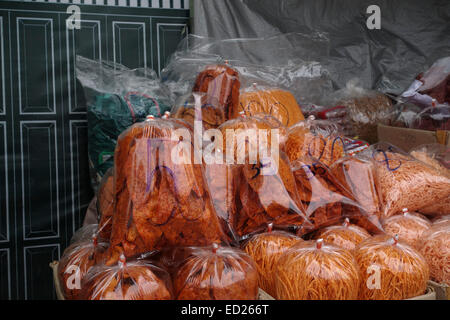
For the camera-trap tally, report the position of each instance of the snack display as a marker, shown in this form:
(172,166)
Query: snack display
(316,271)
(346,236)
(161,200)
(408,226)
(216,273)
(75,263)
(199,106)
(220,82)
(390,269)
(434,245)
(311,141)
(105,204)
(266,249)
(402,178)
(127,280)
(280,104)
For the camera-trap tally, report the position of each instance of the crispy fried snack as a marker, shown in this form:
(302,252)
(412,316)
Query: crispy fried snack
(200,107)
(303,144)
(390,269)
(217,273)
(159,202)
(316,271)
(137,280)
(266,249)
(347,236)
(279,103)
(222,83)
(75,263)
(105,204)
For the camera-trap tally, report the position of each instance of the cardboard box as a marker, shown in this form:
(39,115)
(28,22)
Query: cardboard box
(406,139)
(442,290)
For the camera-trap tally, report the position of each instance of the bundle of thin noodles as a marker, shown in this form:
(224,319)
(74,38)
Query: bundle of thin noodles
(441,220)
(435,247)
(266,249)
(409,226)
(346,236)
(316,271)
(390,269)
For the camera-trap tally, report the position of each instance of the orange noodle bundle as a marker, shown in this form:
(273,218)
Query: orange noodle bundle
(408,226)
(317,271)
(390,269)
(135,280)
(266,249)
(402,179)
(216,273)
(75,263)
(441,220)
(346,236)
(435,247)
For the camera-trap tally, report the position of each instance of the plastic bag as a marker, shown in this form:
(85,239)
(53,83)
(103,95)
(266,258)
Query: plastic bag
(404,115)
(105,204)
(434,245)
(347,236)
(266,249)
(251,189)
(402,179)
(279,103)
(317,271)
(435,155)
(441,220)
(116,97)
(75,263)
(432,85)
(365,109)
(314,140)
(222,83)
(408,226)
(85,233)
(337,115)
(199,106)
(390,269)
(161,197)
(216,273)
(433,118)
(127,280)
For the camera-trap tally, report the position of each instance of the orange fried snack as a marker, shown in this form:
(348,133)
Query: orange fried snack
(105,203)
(222,83)
(390,269)
(266,249)
(217,273)
(159,203)
(136,280)
(316,271)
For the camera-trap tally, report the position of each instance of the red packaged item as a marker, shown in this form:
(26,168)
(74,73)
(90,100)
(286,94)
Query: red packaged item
(222,83)
(316,271)
(161,197)
(75,263)
(216,273)
(127,280)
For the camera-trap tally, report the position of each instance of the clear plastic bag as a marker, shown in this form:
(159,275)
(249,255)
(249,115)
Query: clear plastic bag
(314,140)
(441,220)
(222,83)
(85,233)
(266,249)
(402,179)
(216,273)
(316,271)
(279,103)
(365,109)
(127,280)
(347,236)
(116,97)
(433,118)
(199,106)
(105,204)
(434,245)
(161,196)
(390,269)
(404,115)
(409,227)
(75,263)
